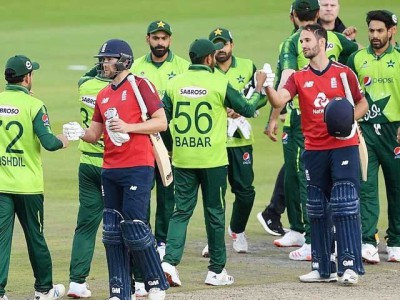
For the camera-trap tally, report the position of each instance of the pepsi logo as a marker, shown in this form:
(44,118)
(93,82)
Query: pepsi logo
(367,80)
(246,156)
(396,151)
(284,136)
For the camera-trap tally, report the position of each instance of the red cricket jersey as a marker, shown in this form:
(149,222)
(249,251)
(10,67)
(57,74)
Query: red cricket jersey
(315,89)
(138,150)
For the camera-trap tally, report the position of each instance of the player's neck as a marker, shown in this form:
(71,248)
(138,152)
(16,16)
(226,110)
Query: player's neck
(225,65)
(379,52)
(121,76)
(329,26)
(159,59)
(319,62)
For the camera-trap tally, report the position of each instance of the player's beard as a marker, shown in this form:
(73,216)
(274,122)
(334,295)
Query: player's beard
(311,52)
(159,51)
(222,56)
(379,43)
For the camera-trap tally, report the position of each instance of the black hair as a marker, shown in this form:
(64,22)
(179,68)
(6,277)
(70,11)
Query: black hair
(9,75)
(309,15)
(198,60)
(318,31)
(380,15)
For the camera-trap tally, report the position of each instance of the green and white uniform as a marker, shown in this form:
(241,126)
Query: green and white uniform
(379,78)
(292,57)
(240,151)
(24,126)
(160,74)
(196,103)
(90,199)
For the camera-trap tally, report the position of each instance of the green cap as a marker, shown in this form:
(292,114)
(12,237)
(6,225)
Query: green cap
(220,33)
(159,26)
(21,65)
(393,17)
(203,47)
(305,5)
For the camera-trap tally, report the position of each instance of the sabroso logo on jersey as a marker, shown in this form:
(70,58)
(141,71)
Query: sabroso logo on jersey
(193,92)
(7,111)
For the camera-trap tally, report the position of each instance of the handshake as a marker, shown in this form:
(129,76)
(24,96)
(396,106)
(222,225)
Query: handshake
(270,76)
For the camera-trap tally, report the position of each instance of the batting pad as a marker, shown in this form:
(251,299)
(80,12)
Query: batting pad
(117,255)
(345,207)
(142,247)
(321,231)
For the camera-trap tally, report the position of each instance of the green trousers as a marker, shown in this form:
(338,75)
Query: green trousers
(165,207)
(90,215)
(295,180)
(29,210)
(383,151)
(213,187)
(241,177)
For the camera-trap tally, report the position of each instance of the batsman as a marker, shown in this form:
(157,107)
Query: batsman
(127,172)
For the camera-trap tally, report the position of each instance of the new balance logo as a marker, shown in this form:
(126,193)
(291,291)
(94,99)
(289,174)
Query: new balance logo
(308,84)
(105,100)
(315,265)
(115,290)
(345,163)
(133,188)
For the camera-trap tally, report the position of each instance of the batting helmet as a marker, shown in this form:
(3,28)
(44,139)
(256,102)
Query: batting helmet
(118,49)
(339,117)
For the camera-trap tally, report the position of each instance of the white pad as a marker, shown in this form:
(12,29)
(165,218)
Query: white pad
(73,131)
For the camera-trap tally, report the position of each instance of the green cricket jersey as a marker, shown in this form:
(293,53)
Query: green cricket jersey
(339,48)
(23,120)
(239,74)
(159,74)
(196,102)
(88,89)
(379,77)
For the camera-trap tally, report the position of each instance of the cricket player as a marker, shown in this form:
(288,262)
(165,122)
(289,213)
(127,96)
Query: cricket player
(195,103)
(160,66)
(331,157)
(239,71)
(127,172)
(291,58)
(90,199)
(24,127)
(377,68)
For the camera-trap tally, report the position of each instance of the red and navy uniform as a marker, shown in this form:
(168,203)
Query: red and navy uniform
(138,150)
(315,89)
(128,170)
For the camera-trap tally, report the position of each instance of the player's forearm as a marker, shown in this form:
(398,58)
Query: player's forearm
(361,108)
(275,98)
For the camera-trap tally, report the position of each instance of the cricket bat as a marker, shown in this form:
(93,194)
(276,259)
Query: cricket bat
(160,152)
(362,147)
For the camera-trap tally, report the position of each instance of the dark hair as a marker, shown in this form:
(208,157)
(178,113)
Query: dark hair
(380,15)
(198,60)
(9,75)
(318,31)
(310,15)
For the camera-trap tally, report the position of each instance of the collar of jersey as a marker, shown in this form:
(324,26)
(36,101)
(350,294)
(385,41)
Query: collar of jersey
(233,65)
(200,68)
(17,87)
(169,57)
(388,50)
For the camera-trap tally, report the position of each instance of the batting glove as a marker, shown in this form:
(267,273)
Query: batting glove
(117,138)
(232,127)
(73,131)
(270,76)
(244,126)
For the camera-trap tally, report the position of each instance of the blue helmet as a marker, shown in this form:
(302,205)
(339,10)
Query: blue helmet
(118,49)
(339,117)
